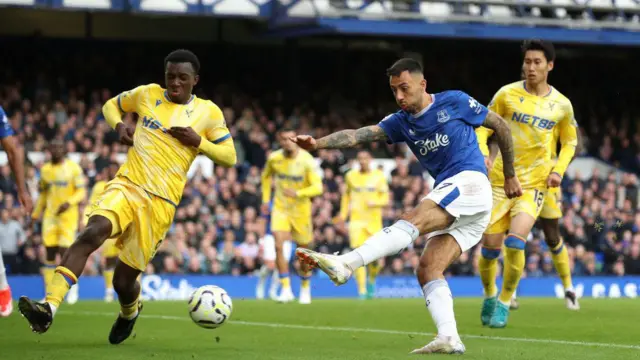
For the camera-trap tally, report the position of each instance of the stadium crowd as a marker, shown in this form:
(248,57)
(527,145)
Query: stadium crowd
(218,225)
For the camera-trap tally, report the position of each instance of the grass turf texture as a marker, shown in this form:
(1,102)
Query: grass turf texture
(331,329)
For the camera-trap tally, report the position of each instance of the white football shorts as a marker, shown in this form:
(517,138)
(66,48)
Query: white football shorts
(466,196)
(268,244)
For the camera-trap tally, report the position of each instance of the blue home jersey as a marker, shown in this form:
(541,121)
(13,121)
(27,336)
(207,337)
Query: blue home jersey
(442,136)
(5,128)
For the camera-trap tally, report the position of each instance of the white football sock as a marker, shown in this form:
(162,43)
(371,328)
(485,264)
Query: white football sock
(388,241)
(53,309)
(440,305)
(275,281)
(3,275)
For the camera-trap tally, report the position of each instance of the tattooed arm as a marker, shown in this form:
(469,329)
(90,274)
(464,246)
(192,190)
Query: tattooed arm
(503,136)
(342,139)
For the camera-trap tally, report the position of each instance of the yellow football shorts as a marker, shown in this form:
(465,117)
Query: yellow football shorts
(504,208)
(552,207)
(299,226)
(359,233)
(140,220)
(109,248)
(60,230)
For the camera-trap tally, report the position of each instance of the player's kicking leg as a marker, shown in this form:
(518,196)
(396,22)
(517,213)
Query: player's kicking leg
(126,285)
(6,303)
(72,295)
(40,314)
(433,216)
(560,257)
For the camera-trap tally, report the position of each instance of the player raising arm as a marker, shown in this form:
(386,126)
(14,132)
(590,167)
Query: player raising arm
(16,162)
(536,109)
(137,207)
(439,130)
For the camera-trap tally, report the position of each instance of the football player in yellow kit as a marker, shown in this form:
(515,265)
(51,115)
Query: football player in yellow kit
(536,110)
(62,188)
(296,182)
(138,206)
(367,192)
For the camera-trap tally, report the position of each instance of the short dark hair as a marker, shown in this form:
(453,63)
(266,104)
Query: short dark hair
(536,44)
(413,66)
(183,56)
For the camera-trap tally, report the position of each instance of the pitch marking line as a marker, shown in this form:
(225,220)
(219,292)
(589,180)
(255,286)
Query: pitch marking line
(377,331)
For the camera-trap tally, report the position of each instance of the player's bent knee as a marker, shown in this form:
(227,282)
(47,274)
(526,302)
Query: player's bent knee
(96,232)
(489,253)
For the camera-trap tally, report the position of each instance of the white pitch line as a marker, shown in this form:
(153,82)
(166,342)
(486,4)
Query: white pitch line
(377,331)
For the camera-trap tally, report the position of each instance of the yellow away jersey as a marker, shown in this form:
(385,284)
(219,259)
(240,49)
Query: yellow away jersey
(533,120)
(364,190)
(60,183)
(297,173)
(157,162)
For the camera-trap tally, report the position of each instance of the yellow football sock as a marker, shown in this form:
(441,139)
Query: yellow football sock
(129,311)
(361,280)
(306,281)
(108,278)
(373,269)
(285,282)
(514,262)
(48,270)
(61,282)
(488,267)
(560,258)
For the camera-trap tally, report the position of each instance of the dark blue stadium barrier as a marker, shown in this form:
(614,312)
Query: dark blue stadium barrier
(171,287)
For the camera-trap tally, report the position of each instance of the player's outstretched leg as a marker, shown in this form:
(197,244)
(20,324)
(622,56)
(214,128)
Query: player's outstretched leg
(488,267)
(126,285)
(560,258)
(6,303)
(425,218)
(40,315)
(440,252)
(72,296)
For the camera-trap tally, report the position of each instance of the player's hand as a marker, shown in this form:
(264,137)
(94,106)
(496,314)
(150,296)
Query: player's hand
(25,200)
(290,193)
(306,142)
(488,163)
(64,207)
(186,135)
(125,133)
(512,187)
(554,180)
(264,209)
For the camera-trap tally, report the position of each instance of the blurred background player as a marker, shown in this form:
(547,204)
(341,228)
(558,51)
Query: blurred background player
(366,193)
(110,251)
(535,109)
(296,182)
(139,205)
(62,188)
(15,155)
(268,250)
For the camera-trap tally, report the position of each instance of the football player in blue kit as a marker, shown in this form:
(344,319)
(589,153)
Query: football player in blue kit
(439,129)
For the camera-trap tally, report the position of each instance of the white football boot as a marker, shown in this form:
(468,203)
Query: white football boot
(305,295)
(286,295)
(442,345)
(571,299)
(338,271)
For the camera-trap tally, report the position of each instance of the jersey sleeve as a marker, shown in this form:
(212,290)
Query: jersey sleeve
(568,140)
(5,127)
(391,126)
(217,130)
(470,110)
(128,101)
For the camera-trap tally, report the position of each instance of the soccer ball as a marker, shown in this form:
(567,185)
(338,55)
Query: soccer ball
(210,306)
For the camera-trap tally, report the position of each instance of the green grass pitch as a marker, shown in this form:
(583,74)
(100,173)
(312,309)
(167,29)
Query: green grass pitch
(542,329)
